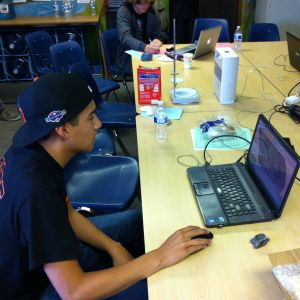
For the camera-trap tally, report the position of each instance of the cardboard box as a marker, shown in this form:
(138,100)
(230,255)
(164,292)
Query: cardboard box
(286,270)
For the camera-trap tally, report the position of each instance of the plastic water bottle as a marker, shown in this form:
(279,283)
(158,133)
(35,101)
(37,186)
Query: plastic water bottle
(93,7)
(161,123)
(67,8)
(55,8)
(238,38)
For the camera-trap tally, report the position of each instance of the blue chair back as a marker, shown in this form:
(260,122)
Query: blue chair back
(205,23)
(68,57)
(110,42)
(38,43)
(103,183)
(104,144)
(263,32)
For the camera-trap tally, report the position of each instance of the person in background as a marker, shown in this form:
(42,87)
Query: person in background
(48,250)
(185,12)
(7,114)
(138,29)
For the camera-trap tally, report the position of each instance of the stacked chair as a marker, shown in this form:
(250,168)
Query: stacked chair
(110,42)
(39,42)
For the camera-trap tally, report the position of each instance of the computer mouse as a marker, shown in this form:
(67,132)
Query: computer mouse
(170,49)
(208,236)
(146,56)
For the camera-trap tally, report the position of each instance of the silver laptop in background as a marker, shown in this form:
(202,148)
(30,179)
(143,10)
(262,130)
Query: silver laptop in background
(293,44)
(206,43)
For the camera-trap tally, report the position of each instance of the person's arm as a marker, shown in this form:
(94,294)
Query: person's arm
(88,233)
(72,283)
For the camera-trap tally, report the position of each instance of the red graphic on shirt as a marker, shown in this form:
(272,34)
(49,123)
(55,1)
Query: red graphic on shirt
(22,114)
(2,165)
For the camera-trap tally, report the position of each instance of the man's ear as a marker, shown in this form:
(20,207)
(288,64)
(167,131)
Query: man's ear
(62,131)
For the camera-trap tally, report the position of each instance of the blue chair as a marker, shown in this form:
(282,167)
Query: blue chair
(105,184)
(205,23)
(110,40)
(38,43)
(69,57)
(263,32)
(104,144)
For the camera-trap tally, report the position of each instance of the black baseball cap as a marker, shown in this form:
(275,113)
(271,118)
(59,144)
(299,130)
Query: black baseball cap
(50,101)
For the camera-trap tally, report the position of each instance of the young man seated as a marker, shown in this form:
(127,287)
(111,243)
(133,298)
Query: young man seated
(48,250)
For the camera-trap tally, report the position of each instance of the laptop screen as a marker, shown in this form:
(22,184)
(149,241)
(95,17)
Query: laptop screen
(294,50)
(272,164)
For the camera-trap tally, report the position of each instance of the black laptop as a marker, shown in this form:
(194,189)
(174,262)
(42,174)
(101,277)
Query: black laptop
(294,50)
(233,194)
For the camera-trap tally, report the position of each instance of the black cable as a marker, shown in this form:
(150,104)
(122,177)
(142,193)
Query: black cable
(242,157)
(293,88)
(217,137)
(280,65)
(283,65)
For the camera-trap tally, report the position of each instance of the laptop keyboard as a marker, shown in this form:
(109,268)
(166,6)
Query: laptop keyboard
(186,49)
(232,194)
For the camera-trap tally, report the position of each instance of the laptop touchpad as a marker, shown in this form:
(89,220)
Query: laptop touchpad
(203,188)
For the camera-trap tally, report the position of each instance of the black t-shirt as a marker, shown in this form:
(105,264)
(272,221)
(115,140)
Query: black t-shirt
(34,226)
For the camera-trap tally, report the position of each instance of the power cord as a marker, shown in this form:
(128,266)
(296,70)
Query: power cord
(283,65)
(292,110)
(217,137)
(289,94)
(180,161)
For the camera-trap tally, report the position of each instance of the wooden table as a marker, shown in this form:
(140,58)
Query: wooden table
(264,55)
(230,268)
(49,21)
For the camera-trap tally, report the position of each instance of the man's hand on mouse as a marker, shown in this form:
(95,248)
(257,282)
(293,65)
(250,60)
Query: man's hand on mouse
(180,245)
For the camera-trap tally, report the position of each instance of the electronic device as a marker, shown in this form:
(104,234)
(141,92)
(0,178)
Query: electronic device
(206,43)
(146,56)
(208,236)
(293,44)
(225,74)
(294,113)
(232,194)
(259,240)
(181,95)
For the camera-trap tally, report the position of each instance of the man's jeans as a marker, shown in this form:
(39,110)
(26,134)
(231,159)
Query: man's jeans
(125,227)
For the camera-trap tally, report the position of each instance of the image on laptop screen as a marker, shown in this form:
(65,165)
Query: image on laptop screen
(272,165)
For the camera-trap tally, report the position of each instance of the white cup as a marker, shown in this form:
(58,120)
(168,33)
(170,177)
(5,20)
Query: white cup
(187,60)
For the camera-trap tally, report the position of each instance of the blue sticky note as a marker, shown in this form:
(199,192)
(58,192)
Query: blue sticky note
(172,112)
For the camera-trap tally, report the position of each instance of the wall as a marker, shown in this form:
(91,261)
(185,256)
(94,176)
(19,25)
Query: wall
(286,14)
